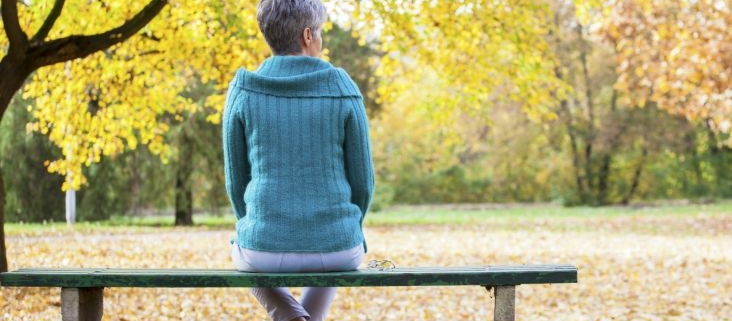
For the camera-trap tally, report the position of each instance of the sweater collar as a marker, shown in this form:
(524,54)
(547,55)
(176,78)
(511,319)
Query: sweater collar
(288,66)
(297,76)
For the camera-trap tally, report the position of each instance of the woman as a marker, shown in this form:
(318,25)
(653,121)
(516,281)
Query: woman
(298,165)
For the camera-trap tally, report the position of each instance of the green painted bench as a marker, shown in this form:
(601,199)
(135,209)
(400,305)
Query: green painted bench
(82,289)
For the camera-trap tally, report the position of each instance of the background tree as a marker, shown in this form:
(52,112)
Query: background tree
(598,127)
(442,63)
(676,54)
(32,193)
(359,59)
(599,150)
(197,148)
(484,52)
(131,182)
(112,99)
(24,55)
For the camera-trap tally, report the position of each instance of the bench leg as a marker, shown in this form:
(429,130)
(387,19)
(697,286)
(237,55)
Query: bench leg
(505,303)
(81,304)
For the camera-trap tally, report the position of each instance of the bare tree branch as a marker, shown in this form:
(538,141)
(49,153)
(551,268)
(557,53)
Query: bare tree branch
(43,31)
(73,47)
(17,38)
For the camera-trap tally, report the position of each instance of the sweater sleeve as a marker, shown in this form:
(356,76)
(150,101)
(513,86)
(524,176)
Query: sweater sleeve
(237,169)
(357,156)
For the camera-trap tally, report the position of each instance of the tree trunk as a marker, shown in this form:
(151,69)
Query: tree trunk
(603,180)
(13,73)
(580,179)
(690,148)
(720,155)
(183,188)
(11,80)
(592,178)
(576,161)
(636,177)
(183,204)
(3,256)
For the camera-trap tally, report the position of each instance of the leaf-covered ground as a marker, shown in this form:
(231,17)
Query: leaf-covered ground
(630,268)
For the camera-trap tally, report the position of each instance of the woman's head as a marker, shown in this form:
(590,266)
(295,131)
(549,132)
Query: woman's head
(292,27)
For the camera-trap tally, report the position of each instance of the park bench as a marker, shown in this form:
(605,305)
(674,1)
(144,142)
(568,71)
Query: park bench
(82,288)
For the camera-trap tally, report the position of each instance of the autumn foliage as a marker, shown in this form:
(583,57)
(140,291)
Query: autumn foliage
(128,95)
(478,54)
(675,55)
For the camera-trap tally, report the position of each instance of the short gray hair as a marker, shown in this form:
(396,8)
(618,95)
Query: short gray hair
(283,21)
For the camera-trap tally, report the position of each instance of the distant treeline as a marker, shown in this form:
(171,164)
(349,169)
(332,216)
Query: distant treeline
(596,151)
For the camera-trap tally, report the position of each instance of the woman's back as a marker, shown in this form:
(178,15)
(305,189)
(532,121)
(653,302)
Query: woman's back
(303,135)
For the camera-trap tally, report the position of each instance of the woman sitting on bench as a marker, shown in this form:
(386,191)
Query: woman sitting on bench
(298,165)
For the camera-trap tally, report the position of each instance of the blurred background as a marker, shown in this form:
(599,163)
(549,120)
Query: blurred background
(569,102)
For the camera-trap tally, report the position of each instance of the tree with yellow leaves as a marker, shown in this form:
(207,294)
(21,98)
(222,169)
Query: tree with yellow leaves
(133,70)
(675,54)
(484,51)
(447,61)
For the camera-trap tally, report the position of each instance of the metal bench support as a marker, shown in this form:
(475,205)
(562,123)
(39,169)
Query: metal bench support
(81,304)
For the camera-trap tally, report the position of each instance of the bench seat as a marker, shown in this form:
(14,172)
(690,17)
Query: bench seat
(82,287)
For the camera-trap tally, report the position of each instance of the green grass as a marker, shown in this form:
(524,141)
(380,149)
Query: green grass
(120,223)
(400,215)
(13,229)
(412,215)
(205,220)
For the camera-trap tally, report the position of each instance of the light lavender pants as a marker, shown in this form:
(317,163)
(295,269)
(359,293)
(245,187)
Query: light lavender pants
(279,302)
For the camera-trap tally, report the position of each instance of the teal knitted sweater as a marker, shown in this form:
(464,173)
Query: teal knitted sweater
(297,157)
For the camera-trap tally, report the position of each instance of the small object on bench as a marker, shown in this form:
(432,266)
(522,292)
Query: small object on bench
(81,293)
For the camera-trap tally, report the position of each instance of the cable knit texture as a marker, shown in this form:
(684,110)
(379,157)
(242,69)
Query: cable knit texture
(297,157)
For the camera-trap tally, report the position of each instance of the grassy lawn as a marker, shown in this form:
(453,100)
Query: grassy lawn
(468,214)
(506,216)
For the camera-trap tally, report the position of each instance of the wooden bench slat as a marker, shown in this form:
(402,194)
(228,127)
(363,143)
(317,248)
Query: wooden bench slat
(174,278)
